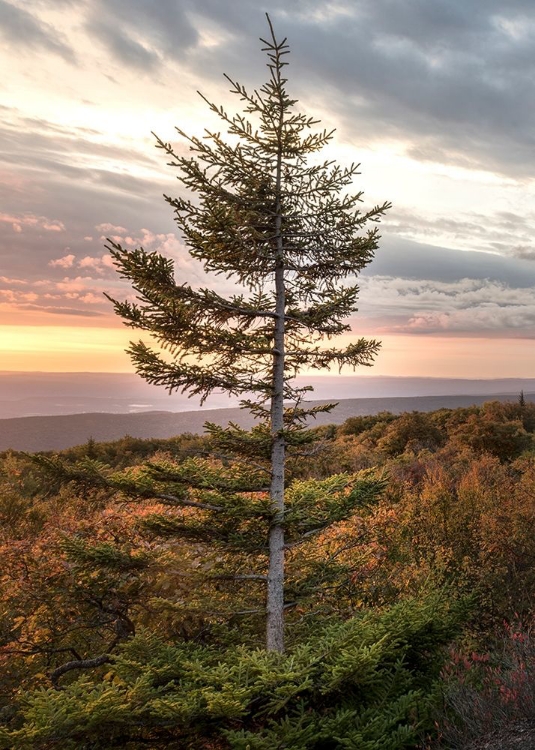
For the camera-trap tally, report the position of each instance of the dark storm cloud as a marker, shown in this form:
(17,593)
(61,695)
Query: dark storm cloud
(21,29)
(447,77)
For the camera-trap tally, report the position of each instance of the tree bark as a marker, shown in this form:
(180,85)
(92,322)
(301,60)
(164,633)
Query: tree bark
(275,582)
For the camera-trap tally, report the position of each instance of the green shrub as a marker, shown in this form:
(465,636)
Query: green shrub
(366,683)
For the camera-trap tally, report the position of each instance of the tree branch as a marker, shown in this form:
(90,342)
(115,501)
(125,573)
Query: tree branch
(238,577)
(174,500)
(98,661)
(304,537)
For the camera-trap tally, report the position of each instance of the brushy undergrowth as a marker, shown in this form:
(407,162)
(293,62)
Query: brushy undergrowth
(488,690)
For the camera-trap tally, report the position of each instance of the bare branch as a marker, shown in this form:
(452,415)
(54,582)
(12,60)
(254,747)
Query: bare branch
(98,661)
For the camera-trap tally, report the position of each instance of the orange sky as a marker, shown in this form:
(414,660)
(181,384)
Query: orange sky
(71,349)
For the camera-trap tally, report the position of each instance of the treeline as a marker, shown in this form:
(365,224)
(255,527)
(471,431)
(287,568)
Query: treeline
(128,622)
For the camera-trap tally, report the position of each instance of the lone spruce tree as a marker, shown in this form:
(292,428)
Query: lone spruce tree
(292,238)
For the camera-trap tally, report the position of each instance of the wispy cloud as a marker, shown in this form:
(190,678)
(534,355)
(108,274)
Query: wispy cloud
(22,30)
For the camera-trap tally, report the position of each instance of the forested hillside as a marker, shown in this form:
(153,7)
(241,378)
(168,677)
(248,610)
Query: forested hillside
(45,433)
(131,620)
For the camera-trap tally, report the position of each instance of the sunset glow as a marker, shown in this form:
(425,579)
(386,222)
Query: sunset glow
(63,349)
(435,105)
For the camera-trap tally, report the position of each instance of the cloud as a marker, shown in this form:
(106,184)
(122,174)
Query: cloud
(141,34)
(477,321)
(167,244)
(78,284)
(10,282)
(9,295)
(126,49)
(108,228)
(523,252)
(91,299)
(65,262)
(23,30)
(30,220)
(48,167)
(505,232)
(70,311)
(449,82)
(47,4)
(455,81)
(98,264)
(462,77)
(403,258)
(78,295)
(430,306)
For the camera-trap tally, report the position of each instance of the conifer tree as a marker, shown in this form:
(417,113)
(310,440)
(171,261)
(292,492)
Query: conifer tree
(265,213)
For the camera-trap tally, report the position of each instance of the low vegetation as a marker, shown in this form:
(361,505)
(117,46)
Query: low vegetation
(129,621)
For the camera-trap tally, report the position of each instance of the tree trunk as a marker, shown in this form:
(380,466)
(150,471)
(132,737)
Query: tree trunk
(275,582)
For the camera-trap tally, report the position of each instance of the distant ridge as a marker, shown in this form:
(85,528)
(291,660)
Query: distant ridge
(34,394)
(45,433)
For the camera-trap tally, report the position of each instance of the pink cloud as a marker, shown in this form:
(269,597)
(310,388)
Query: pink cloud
(110,228)
(31,220)
(79,284)
(54,226)
(97,264)
(7,280)
(89,262)
(66,262)
(91,299)
(18,297)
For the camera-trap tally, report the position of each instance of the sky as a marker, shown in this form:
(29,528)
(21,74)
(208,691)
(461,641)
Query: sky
(434,98)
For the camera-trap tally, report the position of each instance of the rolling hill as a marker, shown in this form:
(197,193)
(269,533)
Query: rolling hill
(48,433)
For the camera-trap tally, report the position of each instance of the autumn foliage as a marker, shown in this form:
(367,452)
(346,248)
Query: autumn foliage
(102,597)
